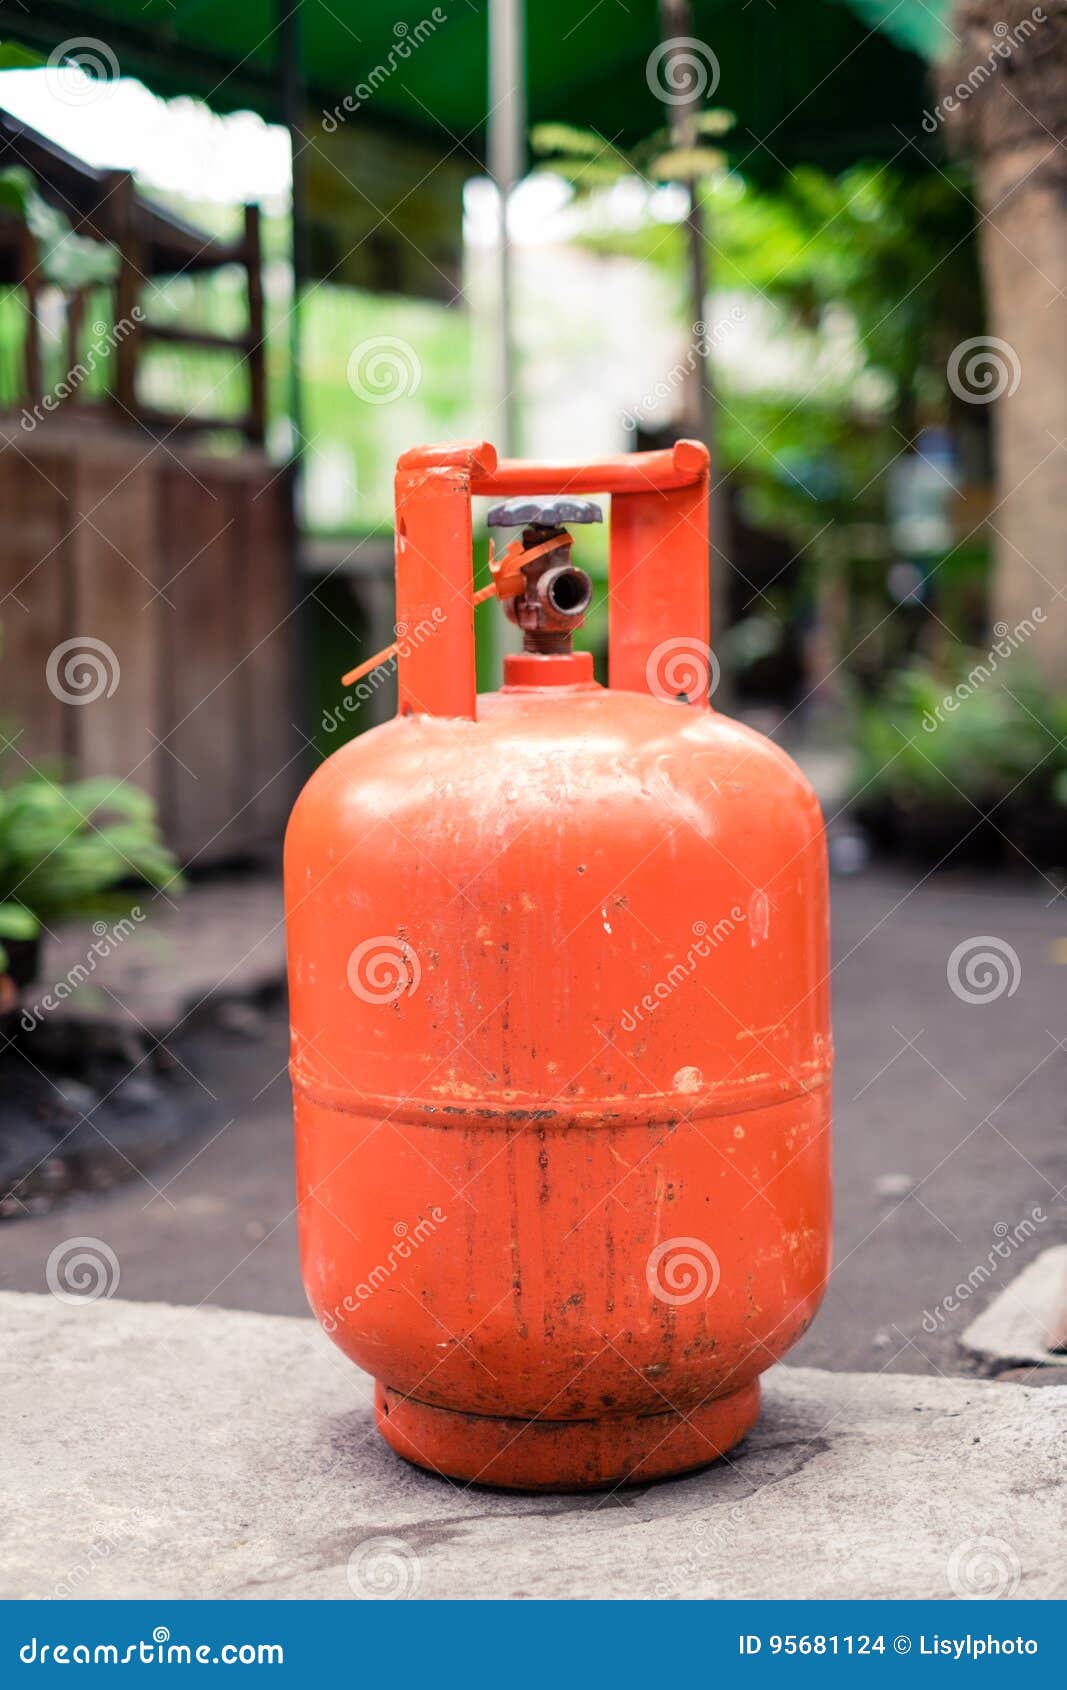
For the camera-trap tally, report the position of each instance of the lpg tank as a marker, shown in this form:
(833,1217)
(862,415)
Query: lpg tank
(560,1024)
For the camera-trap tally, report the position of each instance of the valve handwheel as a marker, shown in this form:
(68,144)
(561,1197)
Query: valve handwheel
(543,513)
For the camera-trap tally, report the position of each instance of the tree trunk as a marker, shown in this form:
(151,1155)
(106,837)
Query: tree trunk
(1005,98)
(1024,256)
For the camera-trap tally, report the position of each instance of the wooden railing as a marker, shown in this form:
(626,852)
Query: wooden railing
(150,243)
(247,252)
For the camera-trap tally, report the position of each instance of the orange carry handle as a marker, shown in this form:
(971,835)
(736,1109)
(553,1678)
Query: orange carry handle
(658,584)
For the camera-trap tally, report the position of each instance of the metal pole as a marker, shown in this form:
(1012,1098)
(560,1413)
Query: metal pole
(292,100)
(292,113)
(676,23)
(507,164)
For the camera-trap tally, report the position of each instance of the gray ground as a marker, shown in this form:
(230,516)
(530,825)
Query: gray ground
(949,1123)
(170,1452)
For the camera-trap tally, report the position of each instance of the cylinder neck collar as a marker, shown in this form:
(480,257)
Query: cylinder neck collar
(555,669)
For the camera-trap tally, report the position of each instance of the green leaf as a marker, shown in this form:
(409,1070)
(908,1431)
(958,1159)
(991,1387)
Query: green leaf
(13,56)
(713,122)
(90,797)
(17,922)
(64,847)
(683,164)
(567,138)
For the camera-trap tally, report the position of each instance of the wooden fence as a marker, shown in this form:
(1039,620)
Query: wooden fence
(168,570)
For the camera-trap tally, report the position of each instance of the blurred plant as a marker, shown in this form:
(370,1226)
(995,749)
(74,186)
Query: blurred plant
(890,250)
(67,260)
(64,847)
(860,285)
(590,163)
(929,777)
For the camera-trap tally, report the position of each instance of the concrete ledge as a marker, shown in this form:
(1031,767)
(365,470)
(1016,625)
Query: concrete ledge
(169,1452)
(1017,1327)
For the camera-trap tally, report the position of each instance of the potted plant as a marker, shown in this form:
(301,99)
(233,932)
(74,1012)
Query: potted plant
(964,760)
(64,847)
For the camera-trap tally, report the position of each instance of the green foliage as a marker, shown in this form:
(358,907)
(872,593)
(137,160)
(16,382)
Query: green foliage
(861,284)
(68,260)
(588,162)
(895,251)
(64,847)
(962,742)
(353,444)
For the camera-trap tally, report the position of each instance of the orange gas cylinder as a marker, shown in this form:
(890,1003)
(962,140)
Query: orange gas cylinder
(558,972)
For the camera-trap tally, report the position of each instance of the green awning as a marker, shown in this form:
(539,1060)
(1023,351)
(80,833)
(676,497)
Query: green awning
(828,81)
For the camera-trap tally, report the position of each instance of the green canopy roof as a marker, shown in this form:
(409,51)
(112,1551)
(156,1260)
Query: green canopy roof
(825,80)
